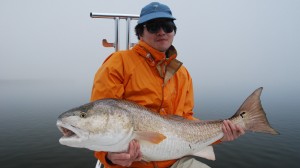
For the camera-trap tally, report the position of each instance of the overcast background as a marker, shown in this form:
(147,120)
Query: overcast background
(224,44)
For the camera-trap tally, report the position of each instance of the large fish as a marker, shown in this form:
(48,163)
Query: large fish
(110,124)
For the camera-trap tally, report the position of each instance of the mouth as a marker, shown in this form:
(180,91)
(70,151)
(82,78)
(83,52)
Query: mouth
(161,40)
(72,136)
(67,131)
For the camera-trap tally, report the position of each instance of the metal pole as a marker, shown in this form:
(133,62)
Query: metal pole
(117,18)
(128,44)
(117,33)
(113,15)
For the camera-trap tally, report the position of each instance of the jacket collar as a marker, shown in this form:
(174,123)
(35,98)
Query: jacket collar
(147,51)
(166,64)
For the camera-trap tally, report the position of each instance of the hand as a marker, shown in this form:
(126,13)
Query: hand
(126,158)
(231,131)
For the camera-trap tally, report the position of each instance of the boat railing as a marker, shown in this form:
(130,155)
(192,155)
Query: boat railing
(117,17)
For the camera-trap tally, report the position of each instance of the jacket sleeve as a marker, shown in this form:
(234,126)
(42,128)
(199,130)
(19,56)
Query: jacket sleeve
(108,81)
(189,99)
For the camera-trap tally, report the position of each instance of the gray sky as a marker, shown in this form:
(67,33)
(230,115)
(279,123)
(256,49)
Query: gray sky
(234,43)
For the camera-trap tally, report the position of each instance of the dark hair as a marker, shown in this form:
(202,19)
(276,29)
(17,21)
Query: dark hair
(139,29)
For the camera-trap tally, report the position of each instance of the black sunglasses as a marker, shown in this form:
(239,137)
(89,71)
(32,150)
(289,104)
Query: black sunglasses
(154,27)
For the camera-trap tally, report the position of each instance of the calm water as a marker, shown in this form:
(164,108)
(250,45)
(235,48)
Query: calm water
(29,136)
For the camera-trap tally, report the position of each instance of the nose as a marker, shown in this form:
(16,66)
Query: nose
(161,31)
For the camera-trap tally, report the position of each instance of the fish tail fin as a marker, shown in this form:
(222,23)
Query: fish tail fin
(253,116)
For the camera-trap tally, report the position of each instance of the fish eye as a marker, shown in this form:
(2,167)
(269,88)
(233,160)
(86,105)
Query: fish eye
(82,115)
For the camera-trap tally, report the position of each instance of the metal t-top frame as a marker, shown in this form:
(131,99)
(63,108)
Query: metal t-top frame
(117,18)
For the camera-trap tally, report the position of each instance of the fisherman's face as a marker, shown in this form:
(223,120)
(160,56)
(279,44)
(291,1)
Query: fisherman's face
(159,34)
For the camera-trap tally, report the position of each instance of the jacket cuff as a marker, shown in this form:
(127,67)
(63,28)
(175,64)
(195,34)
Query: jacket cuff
(101,156)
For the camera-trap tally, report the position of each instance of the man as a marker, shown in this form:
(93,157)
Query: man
(149,74)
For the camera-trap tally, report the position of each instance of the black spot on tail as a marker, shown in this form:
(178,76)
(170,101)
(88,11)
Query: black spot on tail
(242,114)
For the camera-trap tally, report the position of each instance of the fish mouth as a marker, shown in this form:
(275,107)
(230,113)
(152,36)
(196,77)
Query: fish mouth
(68,131)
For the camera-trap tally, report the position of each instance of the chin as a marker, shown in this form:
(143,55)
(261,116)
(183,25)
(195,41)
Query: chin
(162,49)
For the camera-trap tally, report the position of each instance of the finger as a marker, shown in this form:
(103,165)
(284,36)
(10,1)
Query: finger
(236,130)
(224,128)
(230,132)
(228,128)
(225,131)
(139,157)
(136,148)
(132,153)
(118,156)
(241,130)
(132,150)
(233,130)
(138,152)
(130,146)
(117,159)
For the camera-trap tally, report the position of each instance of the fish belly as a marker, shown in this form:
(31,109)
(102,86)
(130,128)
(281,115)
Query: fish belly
(173,148)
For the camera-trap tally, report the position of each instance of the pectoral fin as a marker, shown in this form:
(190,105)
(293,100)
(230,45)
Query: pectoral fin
(153,137)
(207,153)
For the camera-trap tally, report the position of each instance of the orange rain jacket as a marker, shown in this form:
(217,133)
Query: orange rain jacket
(145,76)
